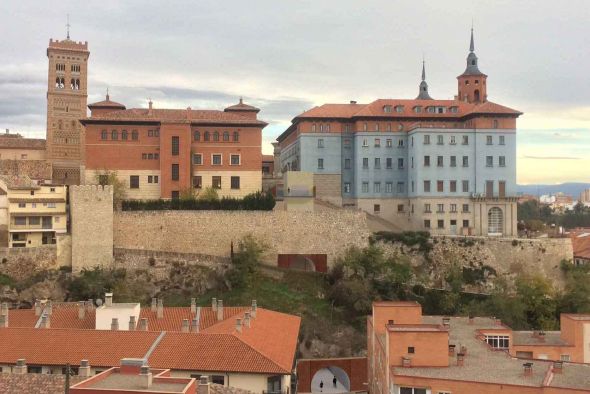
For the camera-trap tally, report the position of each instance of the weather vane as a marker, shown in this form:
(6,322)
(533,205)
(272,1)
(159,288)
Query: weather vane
(68,26)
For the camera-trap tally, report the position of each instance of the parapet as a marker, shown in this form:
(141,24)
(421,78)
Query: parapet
(94,193)
(68,45)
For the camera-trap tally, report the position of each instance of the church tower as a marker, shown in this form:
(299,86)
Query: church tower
(423,92)
(67,95)
(472,83)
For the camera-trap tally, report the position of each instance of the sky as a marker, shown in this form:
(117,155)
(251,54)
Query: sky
(287,56)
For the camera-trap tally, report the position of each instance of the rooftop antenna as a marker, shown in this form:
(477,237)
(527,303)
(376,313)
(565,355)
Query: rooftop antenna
(68,26)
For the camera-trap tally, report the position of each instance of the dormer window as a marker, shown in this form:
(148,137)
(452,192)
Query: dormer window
(399,108)
(454,109)
(440,110)
(431,110)
(418,109)
(466,82)
(387,109)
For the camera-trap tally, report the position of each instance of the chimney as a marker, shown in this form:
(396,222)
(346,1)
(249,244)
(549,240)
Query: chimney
(460,359)
(45,321)
(7,131)
(81,310)
(185,325)
(446,321)
(498,322)
(214,304)
(37,308)
(150,107)
(406,362)
(247,319)
(557,367)
(541,336)
(146,376)
(239,325)
(204,385)
(160,311)
(352,101)
(528,369)
(108,299)
(49,308)
(154,304)
(90,304)
(3,321)
(21,367)
(115,324)
(196,325)
(188,113)
(132,323)
(193,306)
(254,307)
(471,319)
(452,350)
(143,324)
(219,310)
(84,369)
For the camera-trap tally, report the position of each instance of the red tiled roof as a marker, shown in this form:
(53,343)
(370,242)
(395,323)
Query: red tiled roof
(18,142)
(581,245)
(11,383)
(64,315)
(242,107)
(106,104)
(173,316)
(103,348)
(22,318)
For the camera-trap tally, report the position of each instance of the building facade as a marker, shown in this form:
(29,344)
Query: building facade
(67,93)
(162,153)
(447,166)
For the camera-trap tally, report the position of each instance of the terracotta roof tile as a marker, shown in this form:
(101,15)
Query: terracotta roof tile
(581,245)
(64,315)
(173,316)
(11,383)
(15,141)
(106,104)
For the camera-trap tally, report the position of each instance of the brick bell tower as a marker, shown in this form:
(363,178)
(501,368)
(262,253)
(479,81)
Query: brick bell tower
(472,83)
(66,104)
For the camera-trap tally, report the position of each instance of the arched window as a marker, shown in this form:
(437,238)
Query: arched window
(216,136)
(114,135)
(197,135)
(62,83)
(124,135)
(495,123)
(57,82)
(236,136)
(476,95)
(77,84)
(207,135)
(495,221)
(73,84)
(226,135)
(103,135)
(134,135)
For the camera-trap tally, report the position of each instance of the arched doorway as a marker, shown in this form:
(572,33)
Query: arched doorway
(326,376)
(302,263)
(476,95)
(495,221)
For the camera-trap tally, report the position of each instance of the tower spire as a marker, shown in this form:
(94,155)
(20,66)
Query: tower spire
(423,70)
(471,45)
(423,89)
(68,26)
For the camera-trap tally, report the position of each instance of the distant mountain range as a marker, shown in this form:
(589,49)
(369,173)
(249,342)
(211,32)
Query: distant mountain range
(573,189)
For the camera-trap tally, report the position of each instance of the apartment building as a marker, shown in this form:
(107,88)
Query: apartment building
(159,153)
(447,166)
(33,213)
(409,353)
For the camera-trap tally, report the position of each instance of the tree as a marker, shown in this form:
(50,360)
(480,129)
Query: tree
(245,261)
(538,297)
(208,194)
(576,294)
(106,177)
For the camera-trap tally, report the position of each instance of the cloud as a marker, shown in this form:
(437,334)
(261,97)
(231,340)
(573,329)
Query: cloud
(551,158)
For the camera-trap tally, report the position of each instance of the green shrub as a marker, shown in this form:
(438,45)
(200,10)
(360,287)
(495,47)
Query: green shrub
(252,202)
(408,238)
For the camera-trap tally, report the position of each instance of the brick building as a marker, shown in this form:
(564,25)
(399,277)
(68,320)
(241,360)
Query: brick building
(413,354)
(446,166)
(159,153)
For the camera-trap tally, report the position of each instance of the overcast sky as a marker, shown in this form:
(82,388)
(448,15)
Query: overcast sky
(286,56)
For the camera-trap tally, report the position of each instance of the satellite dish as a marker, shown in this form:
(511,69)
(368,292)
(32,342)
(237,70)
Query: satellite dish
(98,302)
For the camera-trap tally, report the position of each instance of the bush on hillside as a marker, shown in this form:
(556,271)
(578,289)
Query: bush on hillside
(205,201)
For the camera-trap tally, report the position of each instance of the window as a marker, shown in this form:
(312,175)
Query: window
(489,161)
(565,357)
(175,172)
(465,209)
(365,142)
(427,208)
(388,143)
(216,159)
(439,161)
(320,164)
(400,143)
(36,220)
(235,182)
(198,159)
(377,162)
(465,140)
(453,208)
(498,341)
(426,161)
(144,156)
(236,136)
(465,186)
(150,133)
(150,179)
(466,223)
(234,160)
(346,187)
(216,136)
(426,223)
(400,187)
(389,187)
(313,128)
(376,208)
(377,187)
(216,182)
(226,136)
(495,124)
(175,145)
(320,143)
(440,186)
(417,109)
(453,161)
(365,127)
(114,135)
(365,162)
(33,369)
(452,140)
(377,142)
(388,163)
(440,208)
(124,135)
(103,135)
(400,163)
(347,143)
(347,164)
(465,161)
(439,140)
(22,205)
(502,161)
(488,140)
(426,186)
(411,350)
(453,186)
(218,379)
(197,181)
(150,156)
(197,135)
(387,108)
(134,181)
(426,140)
(20,220)
(502,140)
(440,223)
(502,189)
(206,136)
(365,187)
(51,205)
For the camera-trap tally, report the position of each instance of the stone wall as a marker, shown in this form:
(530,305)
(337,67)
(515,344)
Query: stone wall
(22,263)
(328,187)
(91,211)
(34,169)
(212,232)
